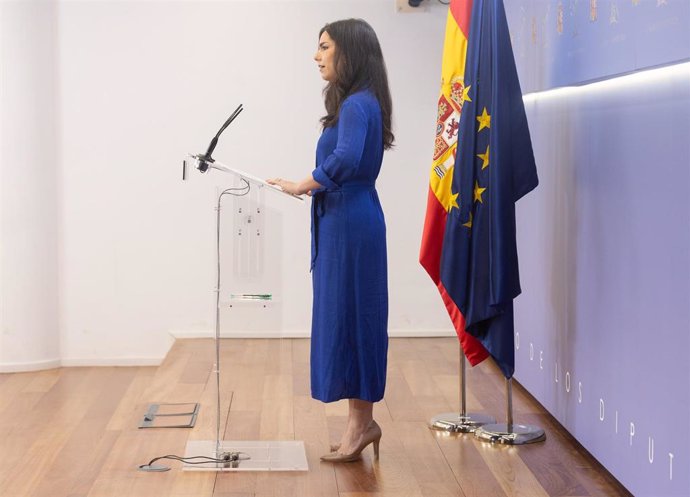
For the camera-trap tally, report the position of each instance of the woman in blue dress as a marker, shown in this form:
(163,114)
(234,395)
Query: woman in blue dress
(349,342)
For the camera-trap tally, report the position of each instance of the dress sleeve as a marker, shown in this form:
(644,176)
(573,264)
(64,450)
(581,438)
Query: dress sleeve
(344,161)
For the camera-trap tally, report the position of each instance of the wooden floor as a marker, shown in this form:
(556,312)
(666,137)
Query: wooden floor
(72,432)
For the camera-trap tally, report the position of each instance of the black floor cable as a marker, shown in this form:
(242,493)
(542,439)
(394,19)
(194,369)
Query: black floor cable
(229,459)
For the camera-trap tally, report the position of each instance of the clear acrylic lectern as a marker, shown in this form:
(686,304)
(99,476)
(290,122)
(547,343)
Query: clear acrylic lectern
(244,455)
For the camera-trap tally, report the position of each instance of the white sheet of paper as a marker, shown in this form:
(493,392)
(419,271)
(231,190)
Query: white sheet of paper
(252,179)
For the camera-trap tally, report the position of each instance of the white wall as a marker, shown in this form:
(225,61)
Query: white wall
(29,333)
(139,85)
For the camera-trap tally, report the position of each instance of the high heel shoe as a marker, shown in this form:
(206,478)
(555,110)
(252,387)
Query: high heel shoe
(371,436)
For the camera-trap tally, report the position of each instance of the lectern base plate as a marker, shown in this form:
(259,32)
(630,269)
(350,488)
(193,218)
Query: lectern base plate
(249,455)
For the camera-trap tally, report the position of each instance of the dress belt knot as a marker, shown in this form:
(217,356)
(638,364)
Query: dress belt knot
(318,205)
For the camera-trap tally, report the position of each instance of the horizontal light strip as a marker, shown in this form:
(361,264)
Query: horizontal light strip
(649,76)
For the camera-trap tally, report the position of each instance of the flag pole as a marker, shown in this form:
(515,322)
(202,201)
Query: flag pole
(509,403)
(463,422)
(510,433)
(463,383)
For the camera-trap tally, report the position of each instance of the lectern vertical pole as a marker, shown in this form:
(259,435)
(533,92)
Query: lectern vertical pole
(217,325)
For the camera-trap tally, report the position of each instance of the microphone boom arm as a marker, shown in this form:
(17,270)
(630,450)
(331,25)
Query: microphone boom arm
(207,156)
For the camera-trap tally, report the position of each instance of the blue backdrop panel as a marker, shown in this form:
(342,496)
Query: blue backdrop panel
(567,42)
(603,323)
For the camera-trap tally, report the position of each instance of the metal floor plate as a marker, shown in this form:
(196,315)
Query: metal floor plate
(513,434)
(260,455)
(170,416)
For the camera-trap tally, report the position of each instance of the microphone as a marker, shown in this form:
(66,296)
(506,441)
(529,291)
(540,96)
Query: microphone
(206,158)
(203,161)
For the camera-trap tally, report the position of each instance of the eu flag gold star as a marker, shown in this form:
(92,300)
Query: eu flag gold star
(466,94)
(453,202)
(478,193)
(468,224)
(485,158)
(484,120)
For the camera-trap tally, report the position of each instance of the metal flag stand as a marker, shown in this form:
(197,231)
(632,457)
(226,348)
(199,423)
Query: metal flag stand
(462,422)
(510,433)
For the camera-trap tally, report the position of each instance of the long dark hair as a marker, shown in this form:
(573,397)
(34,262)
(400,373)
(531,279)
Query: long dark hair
(359,64)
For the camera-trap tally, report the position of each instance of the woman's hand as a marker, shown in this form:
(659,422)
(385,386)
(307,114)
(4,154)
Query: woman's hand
(305,186)
(285,185)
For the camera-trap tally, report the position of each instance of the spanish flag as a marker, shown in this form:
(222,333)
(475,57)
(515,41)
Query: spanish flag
(440,198)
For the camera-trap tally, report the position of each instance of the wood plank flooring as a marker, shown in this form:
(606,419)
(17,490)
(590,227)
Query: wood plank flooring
(72,432)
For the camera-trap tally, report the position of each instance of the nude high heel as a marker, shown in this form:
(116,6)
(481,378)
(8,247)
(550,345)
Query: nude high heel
(371,436)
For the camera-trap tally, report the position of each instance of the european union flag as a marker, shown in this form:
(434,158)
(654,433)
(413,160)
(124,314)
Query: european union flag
(494,167)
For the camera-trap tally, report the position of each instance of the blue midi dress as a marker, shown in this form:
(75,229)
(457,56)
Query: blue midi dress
(349,341)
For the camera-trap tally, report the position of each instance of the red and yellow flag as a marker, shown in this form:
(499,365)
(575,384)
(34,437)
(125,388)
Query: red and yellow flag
(441,199)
